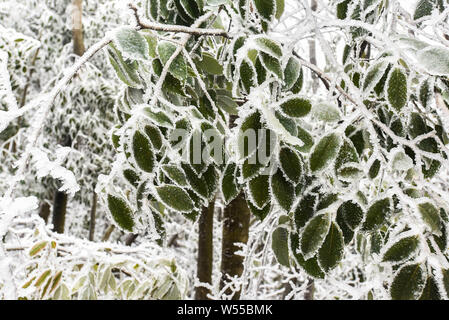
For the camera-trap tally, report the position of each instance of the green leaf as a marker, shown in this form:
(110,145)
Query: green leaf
(210,65)
(350,172)
(268,46)
(178,67)
(191,8)
(305,210)
(292,72)
(142,151)
(155,136)
(374,74)
(305,137)
(431,217)
(280,6)
(248,75)
(227,104)
(326,112)
(423,8)
(295,107)
(229,187)
(282,190)
(198,184)
(374,170)
(431,290)
(445,273)
(314,235)
(377,214)
(291,164)
(259,213)
(38,247)
(272,64)
(266,8)
(132,44)
(331,252)
(159,118)
(409,282)
(325,152)
(279,244)
(121,212)
(427,92)
(259,190)
(435,60)
(310,266)
(352,214)
(402,250)
(126,71)
(132,177)
(175,198)
(175,174)
(397,90)
(248,135)
(348,233)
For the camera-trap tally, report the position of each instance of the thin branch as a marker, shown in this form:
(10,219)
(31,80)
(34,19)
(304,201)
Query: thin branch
(143,23)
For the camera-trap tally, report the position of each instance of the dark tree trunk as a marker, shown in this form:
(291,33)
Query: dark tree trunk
(60,201)
(235,230)
(59,211)
(93,212)
(205,250)
(44,211)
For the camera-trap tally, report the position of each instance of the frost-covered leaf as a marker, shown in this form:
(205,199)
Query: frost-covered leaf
(374,74)
(427,92)
(310,266)
(210,65)
(431,217)
(132,44)
(247,75)
(377,215)
(401,161)
(326,112)
(282,190)
(121,212)
(306,138)
(197,183)
(314,235)
(158,117)
(409,282)
(178,67)
(266,8)
(331,251)
(435,60)
(352,214)
(143,152)
(268,46)
(248,135)
(272,64)
(423,8)
(350,171)
(397,89)
(126,71)
(325,152)
(291,164)
(292,72)
(259,190)
(402,250)
(175,174)
(280,7)
(295,107)
(175,198)
(431,290)
(38,247)
(279,245)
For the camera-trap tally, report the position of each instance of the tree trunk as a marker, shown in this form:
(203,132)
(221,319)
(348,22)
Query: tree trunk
(59,211)
(78,39)
(44,211)
(235,230)
(205,250)
(93,212)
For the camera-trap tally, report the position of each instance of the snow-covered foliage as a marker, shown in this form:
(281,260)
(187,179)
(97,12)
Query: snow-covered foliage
(323,122)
